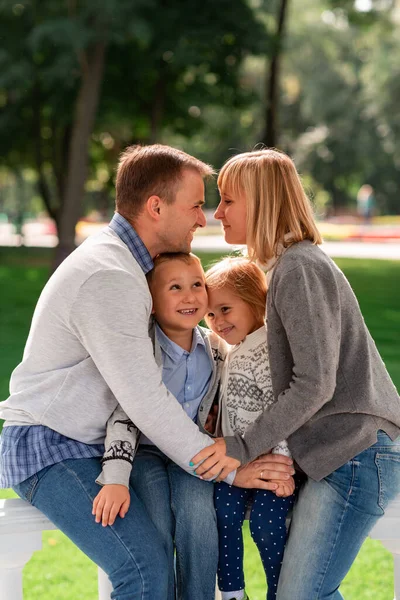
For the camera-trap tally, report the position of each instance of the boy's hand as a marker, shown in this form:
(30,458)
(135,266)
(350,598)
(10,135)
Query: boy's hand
(112,500)
(216,464)
(285,489)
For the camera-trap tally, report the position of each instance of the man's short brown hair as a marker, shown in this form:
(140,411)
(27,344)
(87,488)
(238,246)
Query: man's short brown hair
(144,171)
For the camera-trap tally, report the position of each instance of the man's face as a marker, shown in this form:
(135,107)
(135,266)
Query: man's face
(179,295)
(185,215)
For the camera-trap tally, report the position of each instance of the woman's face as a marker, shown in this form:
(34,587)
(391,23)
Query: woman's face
(231,212)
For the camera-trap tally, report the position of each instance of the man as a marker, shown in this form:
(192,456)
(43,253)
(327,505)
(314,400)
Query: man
(88,349)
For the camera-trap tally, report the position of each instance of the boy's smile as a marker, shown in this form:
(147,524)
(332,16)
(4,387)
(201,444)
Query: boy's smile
(179,295)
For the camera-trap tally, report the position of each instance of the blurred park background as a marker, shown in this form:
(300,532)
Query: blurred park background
(81,80)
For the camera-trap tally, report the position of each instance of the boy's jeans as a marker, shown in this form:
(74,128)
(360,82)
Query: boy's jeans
(333,517)
(182,508)
(130,551)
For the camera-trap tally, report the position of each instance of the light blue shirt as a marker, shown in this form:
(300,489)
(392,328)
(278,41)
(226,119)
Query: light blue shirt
(186,374)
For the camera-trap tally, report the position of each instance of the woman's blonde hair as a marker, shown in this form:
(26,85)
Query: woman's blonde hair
(276,202)
(244,278)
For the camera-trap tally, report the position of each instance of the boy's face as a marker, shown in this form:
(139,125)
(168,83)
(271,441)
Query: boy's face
(179,295)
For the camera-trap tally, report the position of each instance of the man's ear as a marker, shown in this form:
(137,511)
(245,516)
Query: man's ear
(153,207)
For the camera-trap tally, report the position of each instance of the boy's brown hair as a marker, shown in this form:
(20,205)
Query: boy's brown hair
(144,171)
(187,258)
(246,280)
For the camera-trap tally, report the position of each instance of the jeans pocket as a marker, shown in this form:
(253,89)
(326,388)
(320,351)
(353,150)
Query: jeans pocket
(388,465)
(26,488)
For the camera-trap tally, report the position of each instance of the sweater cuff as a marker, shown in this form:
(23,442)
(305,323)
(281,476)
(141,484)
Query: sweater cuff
(234,448)
(115,472)
(229,479)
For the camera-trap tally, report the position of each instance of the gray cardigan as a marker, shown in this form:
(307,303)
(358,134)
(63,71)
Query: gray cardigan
(332,389)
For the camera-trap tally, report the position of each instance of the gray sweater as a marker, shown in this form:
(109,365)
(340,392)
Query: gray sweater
(89,349)
(332,389)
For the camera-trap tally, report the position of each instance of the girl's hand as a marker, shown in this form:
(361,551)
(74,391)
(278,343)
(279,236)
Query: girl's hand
(112,500)
(267,472)
(215,461)
(285,489)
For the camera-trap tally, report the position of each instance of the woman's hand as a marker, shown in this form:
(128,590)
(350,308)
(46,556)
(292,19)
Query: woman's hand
(215,461)
(267,472)
(111,501)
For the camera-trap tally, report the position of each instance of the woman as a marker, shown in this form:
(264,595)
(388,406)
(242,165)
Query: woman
(335,402)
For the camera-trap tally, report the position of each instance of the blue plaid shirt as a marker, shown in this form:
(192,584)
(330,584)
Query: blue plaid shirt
(25,450)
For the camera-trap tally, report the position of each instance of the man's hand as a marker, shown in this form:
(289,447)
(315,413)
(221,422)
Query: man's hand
(112,500)
(267,472)
(215,461)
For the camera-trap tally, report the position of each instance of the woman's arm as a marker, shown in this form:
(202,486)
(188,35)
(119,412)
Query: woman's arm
(308,306)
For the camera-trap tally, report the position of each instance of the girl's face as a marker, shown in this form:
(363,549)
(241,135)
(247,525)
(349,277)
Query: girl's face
(231,212)
(229,316)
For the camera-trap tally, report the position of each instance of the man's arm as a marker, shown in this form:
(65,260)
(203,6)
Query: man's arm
(110,317)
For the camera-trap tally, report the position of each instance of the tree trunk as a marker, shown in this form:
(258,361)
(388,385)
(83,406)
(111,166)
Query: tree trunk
(270,134)
(85,112)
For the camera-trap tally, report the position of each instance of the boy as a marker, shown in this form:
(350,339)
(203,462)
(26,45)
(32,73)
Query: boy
(180,505)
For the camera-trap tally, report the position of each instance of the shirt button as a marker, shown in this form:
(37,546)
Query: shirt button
(187,404)
(189,387)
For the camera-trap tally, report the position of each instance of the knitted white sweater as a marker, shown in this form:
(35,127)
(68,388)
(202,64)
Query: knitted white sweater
(246,387)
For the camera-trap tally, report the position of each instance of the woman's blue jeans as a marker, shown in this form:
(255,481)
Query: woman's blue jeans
(131,551)
(333,517)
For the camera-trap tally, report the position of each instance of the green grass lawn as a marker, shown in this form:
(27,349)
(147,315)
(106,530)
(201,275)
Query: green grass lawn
(61,571)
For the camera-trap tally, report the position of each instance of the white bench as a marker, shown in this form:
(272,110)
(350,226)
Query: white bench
(21,527)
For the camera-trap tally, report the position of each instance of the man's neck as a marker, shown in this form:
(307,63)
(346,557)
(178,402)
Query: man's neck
(182,338)
(149,239)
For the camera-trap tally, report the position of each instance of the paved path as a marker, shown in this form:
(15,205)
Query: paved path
(384,250)
(34,236)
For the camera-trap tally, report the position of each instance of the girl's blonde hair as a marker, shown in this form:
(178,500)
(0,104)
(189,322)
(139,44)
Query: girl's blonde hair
(276,202)
(245,279)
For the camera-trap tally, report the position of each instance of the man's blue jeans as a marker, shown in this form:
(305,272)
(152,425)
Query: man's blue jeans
(182,508)
(333,517)
(131,551)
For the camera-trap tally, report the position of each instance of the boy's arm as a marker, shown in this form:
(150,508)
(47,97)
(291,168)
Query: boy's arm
(122,439)
(121,443)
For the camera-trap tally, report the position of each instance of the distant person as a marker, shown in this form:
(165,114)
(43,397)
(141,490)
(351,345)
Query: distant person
(335,403)
(366,202)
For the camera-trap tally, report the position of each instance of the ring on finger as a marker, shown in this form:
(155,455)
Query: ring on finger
(261,474)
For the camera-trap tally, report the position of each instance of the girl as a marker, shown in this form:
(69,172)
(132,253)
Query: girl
(336,404)
(236,307)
